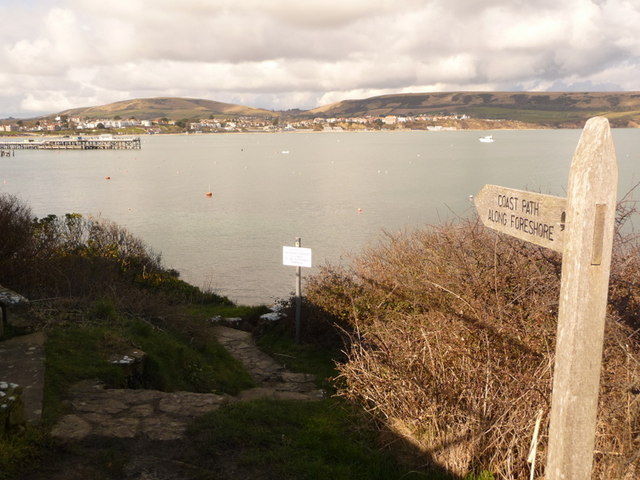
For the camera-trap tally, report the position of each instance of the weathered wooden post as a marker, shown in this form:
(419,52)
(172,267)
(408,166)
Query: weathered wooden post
(586,261)
(581,227)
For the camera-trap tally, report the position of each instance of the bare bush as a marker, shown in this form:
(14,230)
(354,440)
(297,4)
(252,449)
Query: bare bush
(452,339)
(16,242)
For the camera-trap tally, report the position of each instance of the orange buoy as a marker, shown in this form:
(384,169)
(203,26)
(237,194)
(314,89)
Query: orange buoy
(209,194)
(107,178)
(359,210)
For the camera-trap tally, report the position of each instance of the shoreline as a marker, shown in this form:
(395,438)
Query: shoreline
(6,136)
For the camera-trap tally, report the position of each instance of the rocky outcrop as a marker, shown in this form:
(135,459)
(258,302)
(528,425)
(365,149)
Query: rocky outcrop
(8,299)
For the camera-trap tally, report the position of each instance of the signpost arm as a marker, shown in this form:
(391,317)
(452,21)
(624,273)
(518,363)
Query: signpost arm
(298,294)
(591,206)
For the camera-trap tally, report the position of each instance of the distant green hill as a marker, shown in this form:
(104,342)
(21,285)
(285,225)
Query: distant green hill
(546,109)
(172,108)
(553,109)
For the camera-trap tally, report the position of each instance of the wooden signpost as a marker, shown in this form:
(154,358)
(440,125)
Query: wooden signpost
(581,227)
(529,216)
(297,257)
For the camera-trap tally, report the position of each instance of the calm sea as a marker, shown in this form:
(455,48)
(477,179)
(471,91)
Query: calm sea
(337,191)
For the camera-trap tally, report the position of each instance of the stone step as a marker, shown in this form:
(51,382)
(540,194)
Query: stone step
(158,415)
(127,413)
(22,362)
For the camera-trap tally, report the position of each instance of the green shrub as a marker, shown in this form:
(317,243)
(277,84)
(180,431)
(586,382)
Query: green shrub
(17,246)
(88,258)
(104,309)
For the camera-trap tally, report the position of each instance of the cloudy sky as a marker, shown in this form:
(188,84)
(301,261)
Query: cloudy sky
(281,54)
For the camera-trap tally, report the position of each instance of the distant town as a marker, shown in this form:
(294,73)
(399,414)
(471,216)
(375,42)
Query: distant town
(61,125)
(407,111)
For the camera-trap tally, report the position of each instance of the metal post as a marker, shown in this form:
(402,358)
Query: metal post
(298,294)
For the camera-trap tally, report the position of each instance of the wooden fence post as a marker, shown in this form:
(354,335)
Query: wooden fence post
(588,240)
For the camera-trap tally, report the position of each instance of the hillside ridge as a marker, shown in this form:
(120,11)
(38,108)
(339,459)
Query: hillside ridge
(544,108)
(173,108)
(547,109)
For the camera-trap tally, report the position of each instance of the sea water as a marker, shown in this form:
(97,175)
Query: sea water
(337,191)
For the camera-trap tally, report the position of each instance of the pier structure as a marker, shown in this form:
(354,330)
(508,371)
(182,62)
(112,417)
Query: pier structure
(74,143)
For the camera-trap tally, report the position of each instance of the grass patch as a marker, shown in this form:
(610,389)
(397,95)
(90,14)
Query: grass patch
(20,450)
(299,357)
(177,364)
(172,363)
(293,440)
(208,310)
(538,116)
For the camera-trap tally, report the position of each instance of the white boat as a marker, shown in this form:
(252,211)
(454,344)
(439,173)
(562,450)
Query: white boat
(486,139)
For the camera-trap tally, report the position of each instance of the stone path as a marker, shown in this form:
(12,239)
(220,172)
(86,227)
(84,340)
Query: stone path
(155,415)
(121,413)
(274,380)
(22,362)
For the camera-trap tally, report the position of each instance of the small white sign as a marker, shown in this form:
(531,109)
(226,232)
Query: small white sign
(296,256)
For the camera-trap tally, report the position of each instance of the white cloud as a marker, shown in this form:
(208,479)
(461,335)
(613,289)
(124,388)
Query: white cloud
(302,53)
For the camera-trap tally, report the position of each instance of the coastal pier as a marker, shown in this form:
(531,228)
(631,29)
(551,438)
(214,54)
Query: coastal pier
(103,142)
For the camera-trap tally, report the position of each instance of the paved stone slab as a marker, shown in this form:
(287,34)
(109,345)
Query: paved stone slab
(22,362)
(274,380)
(123,413)
(72,427)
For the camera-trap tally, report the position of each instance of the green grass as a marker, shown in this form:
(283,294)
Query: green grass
(624,116)
(483,475)
(130,131)
(208,310)
(261,439)
(76,353)
(293,440)
(274,340)
(20,450)
(300,357)
(538,116)
(549,117)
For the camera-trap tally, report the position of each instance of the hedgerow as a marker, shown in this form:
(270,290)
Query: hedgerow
(451,333)
(74,256)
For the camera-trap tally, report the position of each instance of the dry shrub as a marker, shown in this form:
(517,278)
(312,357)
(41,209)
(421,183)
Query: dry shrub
(452,338)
